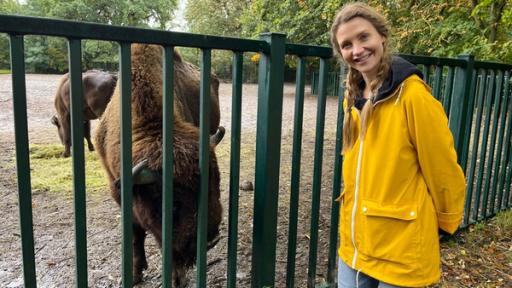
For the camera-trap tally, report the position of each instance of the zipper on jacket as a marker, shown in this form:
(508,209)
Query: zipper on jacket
(354,207)
(397,90)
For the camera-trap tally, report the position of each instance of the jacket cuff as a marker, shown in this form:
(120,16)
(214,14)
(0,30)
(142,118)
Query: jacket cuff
(449,222)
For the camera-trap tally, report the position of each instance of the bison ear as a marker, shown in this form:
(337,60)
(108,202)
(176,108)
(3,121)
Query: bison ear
(55,121)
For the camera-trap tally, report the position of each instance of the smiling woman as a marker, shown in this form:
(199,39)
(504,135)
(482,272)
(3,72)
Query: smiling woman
(398,190)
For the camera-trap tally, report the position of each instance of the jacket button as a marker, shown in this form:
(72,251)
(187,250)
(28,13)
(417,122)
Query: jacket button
(412,213)
(365,209)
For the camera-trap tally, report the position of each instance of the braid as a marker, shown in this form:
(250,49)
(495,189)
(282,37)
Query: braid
(350,130)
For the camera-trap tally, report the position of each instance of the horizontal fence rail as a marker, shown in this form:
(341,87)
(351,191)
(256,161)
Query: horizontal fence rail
(476,96)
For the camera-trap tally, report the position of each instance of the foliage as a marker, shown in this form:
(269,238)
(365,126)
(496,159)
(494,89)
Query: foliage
(449,28)
(46,54)
(443,28)
(425,27)
(219,17)
(216,17)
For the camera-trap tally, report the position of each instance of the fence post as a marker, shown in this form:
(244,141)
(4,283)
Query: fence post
(460,109)
(19,101)
(268,143)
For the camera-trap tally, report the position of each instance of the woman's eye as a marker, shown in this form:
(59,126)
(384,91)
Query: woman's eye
(364,37)
(345,46)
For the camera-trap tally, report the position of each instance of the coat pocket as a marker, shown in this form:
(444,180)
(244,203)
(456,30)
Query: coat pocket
(390,232)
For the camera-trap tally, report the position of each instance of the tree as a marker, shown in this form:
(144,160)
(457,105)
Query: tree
(215,17)
(49,54)
(302,21)
(6,7)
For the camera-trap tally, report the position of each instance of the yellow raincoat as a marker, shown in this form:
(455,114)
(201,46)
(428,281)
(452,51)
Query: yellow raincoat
(401,183)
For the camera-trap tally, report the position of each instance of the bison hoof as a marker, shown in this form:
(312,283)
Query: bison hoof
(66,154)
(137,278)
(91,148)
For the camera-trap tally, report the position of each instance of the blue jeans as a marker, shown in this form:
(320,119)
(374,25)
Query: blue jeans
(350,278)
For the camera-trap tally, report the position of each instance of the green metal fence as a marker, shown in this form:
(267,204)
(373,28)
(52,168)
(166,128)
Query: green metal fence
(273,48)
(477,96)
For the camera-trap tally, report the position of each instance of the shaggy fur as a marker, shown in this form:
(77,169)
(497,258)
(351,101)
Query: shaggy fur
(186,93)
(98,87)
(147,144)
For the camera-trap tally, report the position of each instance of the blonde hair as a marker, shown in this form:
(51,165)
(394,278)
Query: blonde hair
(348,12)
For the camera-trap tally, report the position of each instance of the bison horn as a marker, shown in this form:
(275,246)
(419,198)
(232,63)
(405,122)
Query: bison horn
(217,137)
(142,174)
(55,120)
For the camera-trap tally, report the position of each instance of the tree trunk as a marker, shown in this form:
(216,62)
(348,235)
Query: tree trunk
(496,13)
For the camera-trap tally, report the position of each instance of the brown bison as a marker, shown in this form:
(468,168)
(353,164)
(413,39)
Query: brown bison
(146,103)
(98,87)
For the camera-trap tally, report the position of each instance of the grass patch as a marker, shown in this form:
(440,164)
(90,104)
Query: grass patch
(504,220)
(51,172)
(5,71)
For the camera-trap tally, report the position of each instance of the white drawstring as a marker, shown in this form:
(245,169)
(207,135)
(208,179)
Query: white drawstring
(399,93)
(357,278)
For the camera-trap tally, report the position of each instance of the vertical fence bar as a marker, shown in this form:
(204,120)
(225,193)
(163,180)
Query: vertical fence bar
(234,167)
(438,82)
(336,185)
(426,73)
(314,83)
(487,161)
(448,90)
(268,143)
(204,154)
(459,107)
(19,100)
(126,163)
(508,177)
(469,121)
(506,152)
(296,162)
(317,172)
(496,133)
(168,166)
(483,147)
(474,151)
(77,140)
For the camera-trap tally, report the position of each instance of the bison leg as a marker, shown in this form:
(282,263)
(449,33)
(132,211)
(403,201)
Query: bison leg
(179,274)
(87,134)
(139,255)
(67,151)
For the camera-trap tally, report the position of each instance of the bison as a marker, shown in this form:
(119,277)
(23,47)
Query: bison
(146,107)
(98,87)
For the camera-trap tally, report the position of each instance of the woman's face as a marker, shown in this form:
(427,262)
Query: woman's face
(361,46)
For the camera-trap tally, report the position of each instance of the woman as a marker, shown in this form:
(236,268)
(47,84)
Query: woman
(401,178)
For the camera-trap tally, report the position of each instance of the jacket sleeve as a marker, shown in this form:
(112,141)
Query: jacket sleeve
(433,140)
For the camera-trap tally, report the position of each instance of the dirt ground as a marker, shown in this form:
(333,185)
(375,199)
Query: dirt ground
(53,212)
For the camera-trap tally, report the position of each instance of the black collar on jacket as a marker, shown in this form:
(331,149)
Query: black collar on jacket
(400,70)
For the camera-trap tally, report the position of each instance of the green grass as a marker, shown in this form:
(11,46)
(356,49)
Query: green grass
(504,220)
(5,71)
(51,172)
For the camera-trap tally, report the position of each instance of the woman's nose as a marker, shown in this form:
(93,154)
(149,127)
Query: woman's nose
(357,49)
